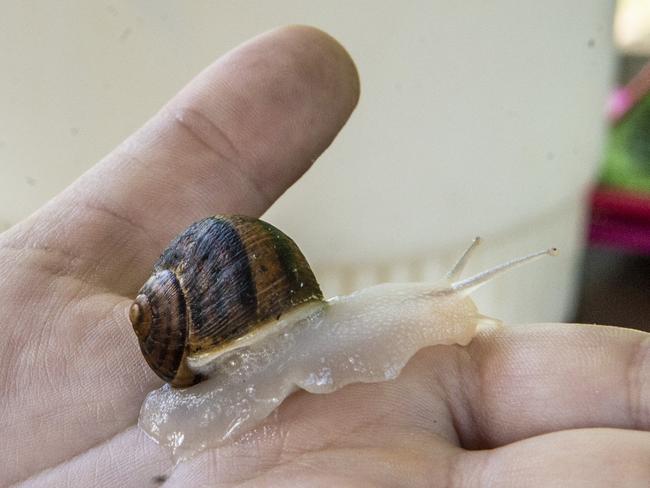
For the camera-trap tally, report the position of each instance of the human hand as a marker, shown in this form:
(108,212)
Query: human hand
(555,405)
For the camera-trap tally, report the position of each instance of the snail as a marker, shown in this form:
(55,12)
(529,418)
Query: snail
(234,321)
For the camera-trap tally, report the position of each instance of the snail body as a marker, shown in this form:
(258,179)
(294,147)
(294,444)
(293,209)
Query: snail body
(233,309)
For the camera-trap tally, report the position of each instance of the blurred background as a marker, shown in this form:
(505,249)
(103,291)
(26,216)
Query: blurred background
(520,121)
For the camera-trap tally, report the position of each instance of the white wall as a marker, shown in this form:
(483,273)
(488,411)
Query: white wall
(476,117)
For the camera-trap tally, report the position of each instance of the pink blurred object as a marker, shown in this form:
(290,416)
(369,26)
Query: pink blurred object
(625,97)
(620,219)
(620,101)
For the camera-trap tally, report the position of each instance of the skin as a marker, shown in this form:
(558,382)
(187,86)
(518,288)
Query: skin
(534,405)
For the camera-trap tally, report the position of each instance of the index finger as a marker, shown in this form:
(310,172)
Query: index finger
(528,380)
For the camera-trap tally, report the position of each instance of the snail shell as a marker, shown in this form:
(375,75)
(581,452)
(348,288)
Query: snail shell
(220,280)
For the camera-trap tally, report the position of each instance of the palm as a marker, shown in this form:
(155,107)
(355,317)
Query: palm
(73,379)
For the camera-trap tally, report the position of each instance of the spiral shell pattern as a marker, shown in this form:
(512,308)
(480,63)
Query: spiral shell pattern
(217,281)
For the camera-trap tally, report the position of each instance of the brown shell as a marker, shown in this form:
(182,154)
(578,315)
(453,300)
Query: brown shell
(217,281)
